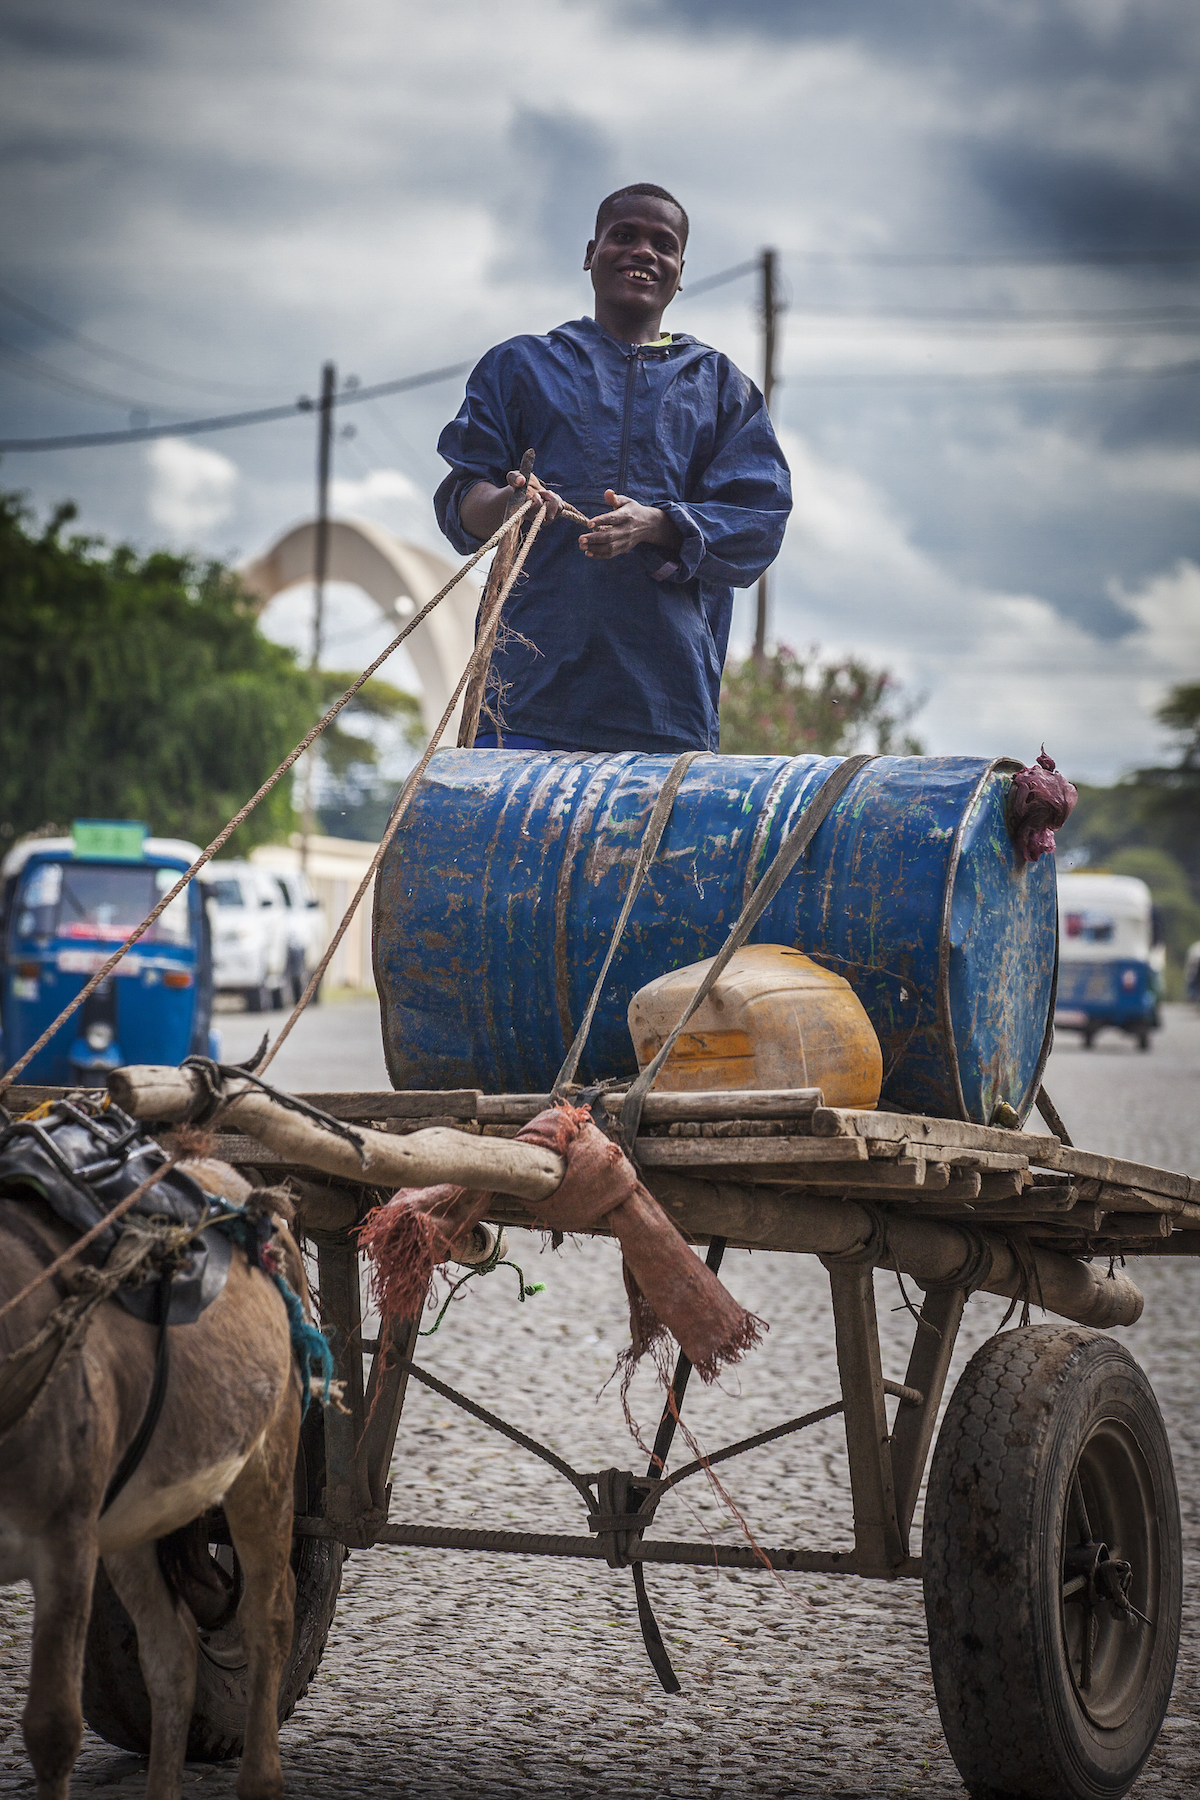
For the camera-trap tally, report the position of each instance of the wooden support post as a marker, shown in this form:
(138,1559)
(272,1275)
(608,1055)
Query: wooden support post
(386,1390)
(879,1547)
(347,1494)
(928,1366)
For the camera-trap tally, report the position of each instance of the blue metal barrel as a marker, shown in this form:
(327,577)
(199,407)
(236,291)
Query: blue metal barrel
(497,898)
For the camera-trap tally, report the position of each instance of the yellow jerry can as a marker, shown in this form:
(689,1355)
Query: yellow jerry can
(774,1019)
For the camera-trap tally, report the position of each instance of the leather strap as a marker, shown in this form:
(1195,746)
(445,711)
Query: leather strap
(785,860)
(648,849)
(154,1405)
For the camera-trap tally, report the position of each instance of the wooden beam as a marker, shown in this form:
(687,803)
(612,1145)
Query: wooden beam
(833,1121)
(681,1153)
(928,1367)
(879,1545)
(924,1248)
(414,1103)
(668,1108)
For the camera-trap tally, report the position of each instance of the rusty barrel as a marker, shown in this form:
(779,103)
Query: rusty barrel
(496,902)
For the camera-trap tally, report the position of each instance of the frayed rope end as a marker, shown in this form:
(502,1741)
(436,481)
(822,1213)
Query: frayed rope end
(405,1245)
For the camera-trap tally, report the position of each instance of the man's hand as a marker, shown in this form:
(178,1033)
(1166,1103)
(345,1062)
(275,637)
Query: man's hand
(483,506)
(627,525)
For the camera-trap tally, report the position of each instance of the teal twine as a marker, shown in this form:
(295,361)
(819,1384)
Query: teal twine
(524,1291)
(310,1346)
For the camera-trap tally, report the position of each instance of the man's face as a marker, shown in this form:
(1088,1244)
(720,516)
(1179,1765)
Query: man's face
(636,261)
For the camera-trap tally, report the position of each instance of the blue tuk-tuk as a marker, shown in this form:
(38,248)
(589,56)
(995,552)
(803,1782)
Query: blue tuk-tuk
(1111,956)
(65,906)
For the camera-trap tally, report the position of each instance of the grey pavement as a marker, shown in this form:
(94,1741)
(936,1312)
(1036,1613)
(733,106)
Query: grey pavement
(451,1674)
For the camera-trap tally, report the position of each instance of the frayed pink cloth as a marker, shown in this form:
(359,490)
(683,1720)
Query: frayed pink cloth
(669,1288)
(1040,803)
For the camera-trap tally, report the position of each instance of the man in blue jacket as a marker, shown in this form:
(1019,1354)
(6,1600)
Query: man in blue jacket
(616,637)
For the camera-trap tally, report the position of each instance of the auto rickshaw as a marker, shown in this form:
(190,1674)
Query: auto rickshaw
(1111,956)
(65,905)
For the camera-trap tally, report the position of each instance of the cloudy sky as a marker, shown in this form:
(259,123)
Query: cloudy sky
(988,222)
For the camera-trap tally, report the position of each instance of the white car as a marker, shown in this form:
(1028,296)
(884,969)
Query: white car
(250,934)
(306,928)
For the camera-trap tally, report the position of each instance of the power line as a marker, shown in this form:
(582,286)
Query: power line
(996,259)
(230,421)
(711,281)
(32,368)
(1000,378)
(1169,318)
(37,317)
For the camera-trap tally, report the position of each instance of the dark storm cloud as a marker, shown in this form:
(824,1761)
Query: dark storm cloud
(1095,202)
(239,192)
(1055,67)
(1045,41)
(561,159)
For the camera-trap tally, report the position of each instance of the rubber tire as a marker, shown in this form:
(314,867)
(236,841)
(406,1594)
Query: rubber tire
(1027,1406)
(1089,1038)
(117,1706)
(115,1702)
(258,999)
(1143,1040)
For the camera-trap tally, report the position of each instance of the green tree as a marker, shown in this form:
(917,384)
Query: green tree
(785,705)
(356,794)
(136,687)
(1173,896)
(1174,791)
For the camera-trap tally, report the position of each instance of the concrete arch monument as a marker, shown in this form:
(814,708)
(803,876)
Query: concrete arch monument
(400,578)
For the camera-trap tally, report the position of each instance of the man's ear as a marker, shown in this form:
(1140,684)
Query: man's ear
(589,253)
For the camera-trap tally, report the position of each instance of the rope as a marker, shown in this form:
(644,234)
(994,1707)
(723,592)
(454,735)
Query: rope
(873,1249)
(239,818)
(213,1073)
(647,851)
(579,1482)
(976,1266)
(482,650)
(794,845)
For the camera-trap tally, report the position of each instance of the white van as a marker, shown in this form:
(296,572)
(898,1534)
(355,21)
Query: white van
(250,934)
(306,928)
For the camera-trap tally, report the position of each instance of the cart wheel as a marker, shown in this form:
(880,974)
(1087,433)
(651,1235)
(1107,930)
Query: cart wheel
(1052,1568)
(1089,1038)
(1143,1039)
(115,1702)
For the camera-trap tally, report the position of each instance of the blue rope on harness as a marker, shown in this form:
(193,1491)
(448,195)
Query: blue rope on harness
(309,1346)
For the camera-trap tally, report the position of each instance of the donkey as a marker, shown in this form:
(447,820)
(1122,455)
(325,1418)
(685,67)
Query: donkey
(227,1434)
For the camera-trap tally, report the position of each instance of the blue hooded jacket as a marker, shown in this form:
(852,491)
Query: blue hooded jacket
(622,653)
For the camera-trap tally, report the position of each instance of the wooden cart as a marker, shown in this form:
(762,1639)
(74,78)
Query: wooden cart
(1051,1549)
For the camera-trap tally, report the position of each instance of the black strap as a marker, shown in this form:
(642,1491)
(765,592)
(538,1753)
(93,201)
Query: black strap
(674,1401)
(154,1405)
(789,853)
(647,850)
(656,1650)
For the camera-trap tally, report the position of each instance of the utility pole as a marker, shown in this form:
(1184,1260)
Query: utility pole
(770,309)
(320,565)
(321,556)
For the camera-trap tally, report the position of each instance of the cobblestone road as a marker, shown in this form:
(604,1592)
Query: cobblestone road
(461,1675)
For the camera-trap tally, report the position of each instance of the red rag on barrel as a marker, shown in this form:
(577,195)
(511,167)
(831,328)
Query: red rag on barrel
(669,1288)
(1041,801)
